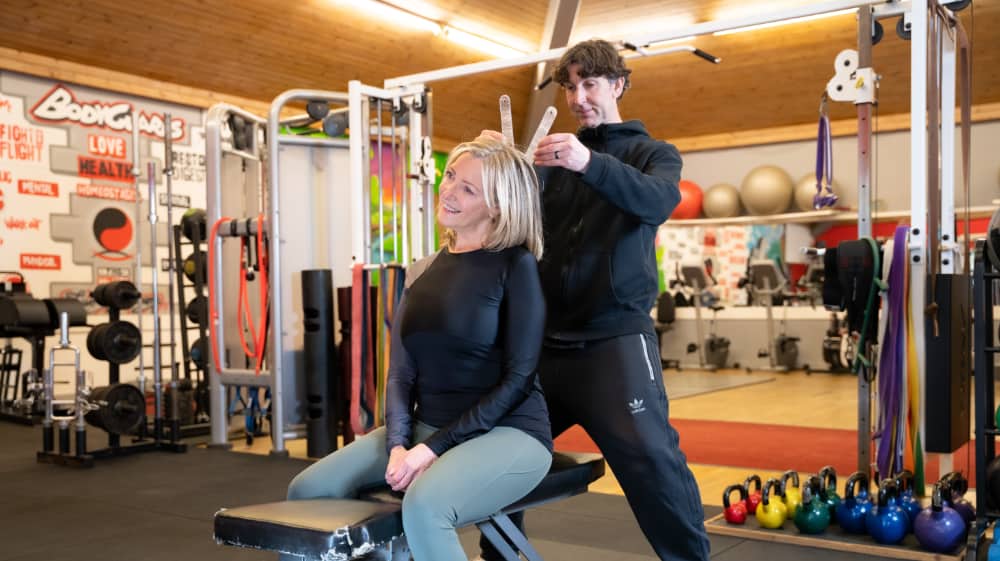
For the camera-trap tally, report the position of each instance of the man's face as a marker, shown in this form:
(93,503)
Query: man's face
(594,99)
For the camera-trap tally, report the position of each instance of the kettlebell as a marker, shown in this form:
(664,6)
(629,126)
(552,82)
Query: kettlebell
(813,515)
(735,513)
(904,481)
(771,512)
(939,528)
(853,511)
(953,488)
(753,497)
(828,491)
(887,522)
(793,497)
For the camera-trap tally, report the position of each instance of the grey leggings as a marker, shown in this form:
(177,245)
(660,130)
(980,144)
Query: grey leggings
(467,483)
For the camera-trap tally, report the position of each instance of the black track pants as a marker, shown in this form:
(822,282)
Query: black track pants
(613,388)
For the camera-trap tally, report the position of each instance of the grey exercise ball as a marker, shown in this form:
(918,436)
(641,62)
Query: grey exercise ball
(722,200)
(805,190)
(766,190)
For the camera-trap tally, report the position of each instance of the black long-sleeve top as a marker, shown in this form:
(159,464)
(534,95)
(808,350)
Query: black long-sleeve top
(599,271)
(464,350)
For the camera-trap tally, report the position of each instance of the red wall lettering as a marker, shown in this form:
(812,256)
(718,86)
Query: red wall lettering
(41,188)
(100,145)
(41,261)
(104,169)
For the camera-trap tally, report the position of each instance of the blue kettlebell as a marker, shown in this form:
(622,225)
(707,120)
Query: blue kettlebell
(853,510)
(887,522)
(939,528)
(904,480)
(828,490)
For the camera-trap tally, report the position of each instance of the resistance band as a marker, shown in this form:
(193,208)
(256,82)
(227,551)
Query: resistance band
(824,161)
(890,374)
(358,291)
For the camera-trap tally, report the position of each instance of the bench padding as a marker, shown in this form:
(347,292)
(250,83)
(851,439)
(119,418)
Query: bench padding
(335,529)
(318,529)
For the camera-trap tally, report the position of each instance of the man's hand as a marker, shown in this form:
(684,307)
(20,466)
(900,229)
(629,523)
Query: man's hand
(405,466)
(562,150)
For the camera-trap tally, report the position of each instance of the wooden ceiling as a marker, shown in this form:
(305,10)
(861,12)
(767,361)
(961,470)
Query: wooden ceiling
(258,48)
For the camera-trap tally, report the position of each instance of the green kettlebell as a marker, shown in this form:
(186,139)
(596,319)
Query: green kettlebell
(771,513)
(828,492)
(792,495)
(813,515)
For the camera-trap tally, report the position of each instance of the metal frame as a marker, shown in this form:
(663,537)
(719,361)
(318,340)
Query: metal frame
(920,245)
(220,377)
(416,230)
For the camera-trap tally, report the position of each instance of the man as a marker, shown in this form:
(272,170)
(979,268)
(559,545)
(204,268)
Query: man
(607,190)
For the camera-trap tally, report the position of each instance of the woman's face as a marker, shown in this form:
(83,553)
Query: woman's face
(462,205)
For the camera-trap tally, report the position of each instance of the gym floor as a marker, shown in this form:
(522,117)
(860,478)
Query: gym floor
(159,506)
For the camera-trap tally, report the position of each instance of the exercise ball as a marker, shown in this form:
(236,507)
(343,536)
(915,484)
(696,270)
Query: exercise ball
(805,190)
(691,198)
(766,190)
(722,200)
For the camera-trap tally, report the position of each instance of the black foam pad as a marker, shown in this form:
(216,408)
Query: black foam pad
(318,529)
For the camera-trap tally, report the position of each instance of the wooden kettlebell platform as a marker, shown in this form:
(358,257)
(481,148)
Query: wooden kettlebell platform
(833,538)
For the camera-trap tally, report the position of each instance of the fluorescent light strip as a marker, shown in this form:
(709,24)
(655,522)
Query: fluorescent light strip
(395,14)
(388,12)
(482,44)
(785,22)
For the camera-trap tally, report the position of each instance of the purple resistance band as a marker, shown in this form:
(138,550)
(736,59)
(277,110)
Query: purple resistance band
(824,163)
(889,458)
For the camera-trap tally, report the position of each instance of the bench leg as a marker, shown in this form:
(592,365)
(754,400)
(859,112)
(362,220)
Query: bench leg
(501,532)
(509,529)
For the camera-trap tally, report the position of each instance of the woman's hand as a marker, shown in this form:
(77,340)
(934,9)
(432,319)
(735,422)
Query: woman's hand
(406,465)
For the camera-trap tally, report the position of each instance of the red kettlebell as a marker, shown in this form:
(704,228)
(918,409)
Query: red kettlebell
(752,497)
(735,513)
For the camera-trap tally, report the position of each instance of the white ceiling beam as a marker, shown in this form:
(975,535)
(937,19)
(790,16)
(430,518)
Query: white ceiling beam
(559,23)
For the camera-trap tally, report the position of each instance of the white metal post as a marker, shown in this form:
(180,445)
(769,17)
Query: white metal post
(950,249)
(918,188)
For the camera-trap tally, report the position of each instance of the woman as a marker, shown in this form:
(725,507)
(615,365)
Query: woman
(467,432)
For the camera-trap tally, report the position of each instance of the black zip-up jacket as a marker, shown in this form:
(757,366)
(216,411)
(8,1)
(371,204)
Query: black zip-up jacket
(599,272)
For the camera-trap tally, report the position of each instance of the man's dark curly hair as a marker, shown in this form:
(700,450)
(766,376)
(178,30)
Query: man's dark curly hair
(596,57)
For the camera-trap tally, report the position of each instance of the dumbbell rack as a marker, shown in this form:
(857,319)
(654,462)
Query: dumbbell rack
(193,371)
(985,350)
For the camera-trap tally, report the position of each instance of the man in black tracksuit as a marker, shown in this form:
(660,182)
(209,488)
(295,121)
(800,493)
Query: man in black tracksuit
(606,192)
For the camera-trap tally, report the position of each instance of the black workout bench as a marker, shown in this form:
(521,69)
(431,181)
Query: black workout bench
(342,529)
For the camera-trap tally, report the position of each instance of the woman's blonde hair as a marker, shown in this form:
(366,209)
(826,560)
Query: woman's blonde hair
(510,187)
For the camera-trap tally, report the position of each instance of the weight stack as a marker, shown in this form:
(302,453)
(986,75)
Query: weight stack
(949,372)
(320,362)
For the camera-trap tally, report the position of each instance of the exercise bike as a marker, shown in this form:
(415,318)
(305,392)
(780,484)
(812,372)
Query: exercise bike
(713,351)
(765,283)
(837,348)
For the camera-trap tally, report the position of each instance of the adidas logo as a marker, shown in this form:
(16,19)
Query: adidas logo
(636,406)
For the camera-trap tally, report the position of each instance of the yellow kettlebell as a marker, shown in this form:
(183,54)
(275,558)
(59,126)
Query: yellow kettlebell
(771,513)
(792,494)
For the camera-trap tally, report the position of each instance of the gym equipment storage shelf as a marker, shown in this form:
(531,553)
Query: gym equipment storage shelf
(833,538)
(813,216)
